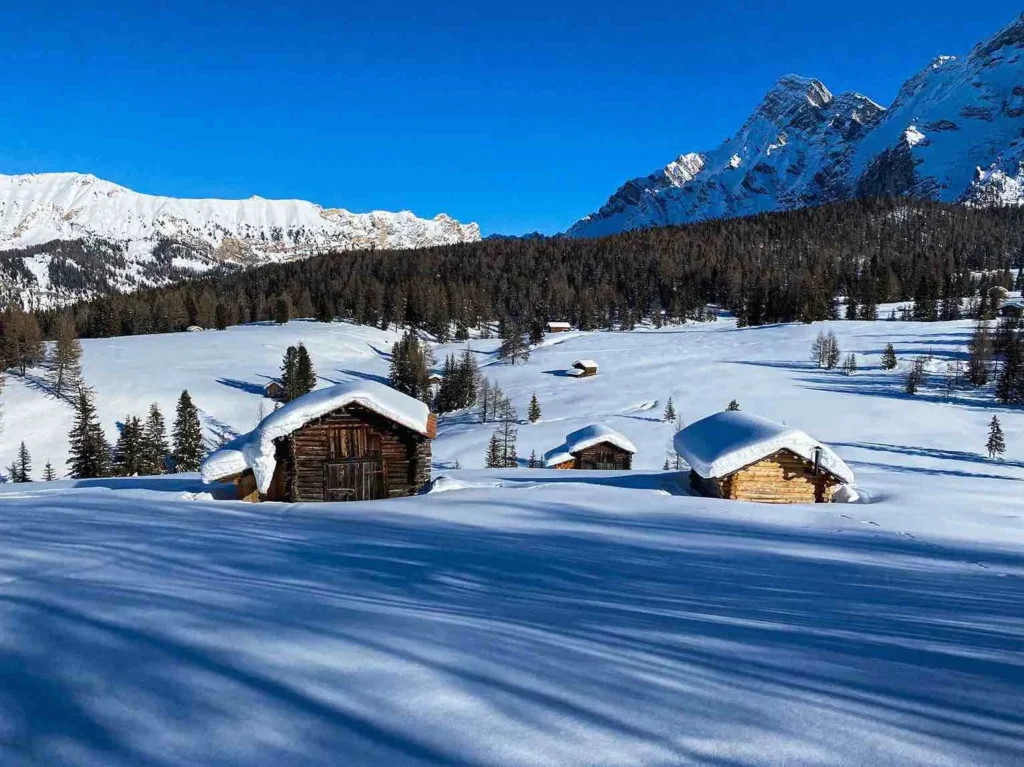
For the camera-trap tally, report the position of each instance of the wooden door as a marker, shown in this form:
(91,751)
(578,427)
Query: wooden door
(355,470)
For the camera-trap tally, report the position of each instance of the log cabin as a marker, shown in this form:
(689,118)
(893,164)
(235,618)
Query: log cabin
(592,447)
(740,456)
(582,369)
(356,441)
(273,390)
(1013,308)
(559,327)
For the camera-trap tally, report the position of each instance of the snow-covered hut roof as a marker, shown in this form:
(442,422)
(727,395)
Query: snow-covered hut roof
(585,364)
(586,437)
(255,450)
(559,326)
(726,442)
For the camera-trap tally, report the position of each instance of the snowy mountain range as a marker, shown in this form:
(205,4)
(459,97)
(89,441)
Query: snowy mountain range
(134,238)
(954,133)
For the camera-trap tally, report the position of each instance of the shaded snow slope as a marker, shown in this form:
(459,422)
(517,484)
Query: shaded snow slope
(591,620)
(804,146)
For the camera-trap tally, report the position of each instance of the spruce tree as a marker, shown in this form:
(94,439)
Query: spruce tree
(513,348)
(282,310)
(533,463)
(24,464)
(1010,385)
(996,444)
(12,472)
(889,361)
(979,358)
(49,475)
(832,353)
(89,452)
(506,434)
(305,375)
(128,461)
(850,364)
(289,373)
(670,412)
(534,411)
(915,377)
(154,443)
(187,435)
(733,405)
(494,458)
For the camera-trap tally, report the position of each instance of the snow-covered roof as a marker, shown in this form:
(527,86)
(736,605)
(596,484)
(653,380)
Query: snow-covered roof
(726,442)
(585,364)
(586,437)
(255,450)
(559,325)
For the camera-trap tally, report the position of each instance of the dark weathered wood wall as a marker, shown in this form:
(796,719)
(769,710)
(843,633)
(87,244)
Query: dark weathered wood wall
(350,433)
(604,456)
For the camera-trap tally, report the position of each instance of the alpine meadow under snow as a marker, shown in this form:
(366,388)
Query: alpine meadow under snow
(521,616)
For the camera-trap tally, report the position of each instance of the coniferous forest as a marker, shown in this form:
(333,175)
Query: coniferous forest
(779,267)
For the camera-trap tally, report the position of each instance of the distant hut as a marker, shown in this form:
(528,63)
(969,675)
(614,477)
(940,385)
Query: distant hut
(194,329)
(273,390)
(434,382)
(559,327)
(740,456)
(592,447)
(351,442)
(582,369)
(1013,308)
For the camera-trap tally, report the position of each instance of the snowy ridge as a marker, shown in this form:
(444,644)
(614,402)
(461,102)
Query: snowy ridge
(256,450)
(36,209)
(725,442)
(803,146)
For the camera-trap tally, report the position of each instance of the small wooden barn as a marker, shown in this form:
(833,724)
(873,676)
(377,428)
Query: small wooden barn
(351,442)
(273,390)
(583,369)
(1013,308)
(740,456)
(559,327)
(592,447)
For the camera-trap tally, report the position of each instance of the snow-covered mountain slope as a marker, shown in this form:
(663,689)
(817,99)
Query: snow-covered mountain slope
(38,211)
(805,146)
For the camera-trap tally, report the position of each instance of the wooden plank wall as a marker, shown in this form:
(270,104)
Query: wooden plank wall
(604,453)
(405,453)
(780,478)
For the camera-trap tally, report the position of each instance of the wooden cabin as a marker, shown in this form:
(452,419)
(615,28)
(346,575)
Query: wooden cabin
(1012,309)
(352,442)
(559,327)
(583,369)
(594,447)
(273,390)
(740,456)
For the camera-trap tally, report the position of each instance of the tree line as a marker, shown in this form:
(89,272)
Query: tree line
(777,267)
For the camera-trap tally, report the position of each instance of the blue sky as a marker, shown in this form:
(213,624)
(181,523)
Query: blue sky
(521,116)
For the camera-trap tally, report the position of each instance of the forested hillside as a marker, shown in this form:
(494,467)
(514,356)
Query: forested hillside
(778,267)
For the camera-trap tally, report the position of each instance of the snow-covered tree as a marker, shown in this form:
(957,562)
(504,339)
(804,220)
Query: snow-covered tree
(49,475)
(670,412)
(494,459)
(128,461)
(187,435)
(23,465)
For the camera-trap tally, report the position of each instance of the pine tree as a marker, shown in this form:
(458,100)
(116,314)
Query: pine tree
(305,375)
(832,353)
(1010,385)
(282,310)
(513,348)
(818,349)
(187,435)
(12,472)
(289,373)
(733,405)
(915,377)
(996,444)
(670,412)
(889,361)
(533,463)
(154,443)
(534,411)
(89,453)
(494,459)
(128,449)
(65,368)
(24,464)
(506,434)
(49,475)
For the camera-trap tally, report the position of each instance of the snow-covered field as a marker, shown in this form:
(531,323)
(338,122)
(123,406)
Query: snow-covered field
(526,617)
